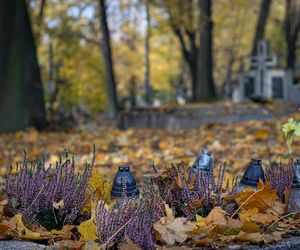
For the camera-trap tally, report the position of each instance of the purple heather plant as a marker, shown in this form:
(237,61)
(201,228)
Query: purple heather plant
(280,177)
(184,194)
(130,219)
(51,197)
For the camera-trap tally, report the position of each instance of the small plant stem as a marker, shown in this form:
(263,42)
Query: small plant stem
(36,197)
(245,202)
(103,246)
(282,217)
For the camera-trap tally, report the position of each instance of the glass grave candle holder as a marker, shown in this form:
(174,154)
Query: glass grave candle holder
(124,185)
(294,199)
(202,165)
(252,175)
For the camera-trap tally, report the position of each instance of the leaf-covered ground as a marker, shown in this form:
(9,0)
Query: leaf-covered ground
(258,216)
(235,143)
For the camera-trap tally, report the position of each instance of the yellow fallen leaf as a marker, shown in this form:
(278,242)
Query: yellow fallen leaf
(25,233)
(200,221)
(88,230)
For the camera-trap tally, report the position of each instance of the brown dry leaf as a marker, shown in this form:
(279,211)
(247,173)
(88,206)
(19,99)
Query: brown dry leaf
(65,233)
(129,245)
(272,237)
(170,229)
(253,215)
(91,245)
(217,216)
(179,181)
(176,248)
(173,231)
(68,245)
(254,238)
(6,230)
(250,227)
(262,134)
(261,199)
(25,233)
(3,204)
(277,208)
(204,242)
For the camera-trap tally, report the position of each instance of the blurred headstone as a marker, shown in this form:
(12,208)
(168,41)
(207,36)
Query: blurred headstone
(265,80)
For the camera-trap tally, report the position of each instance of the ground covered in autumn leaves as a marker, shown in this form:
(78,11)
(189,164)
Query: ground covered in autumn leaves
(235,143)
(223,215)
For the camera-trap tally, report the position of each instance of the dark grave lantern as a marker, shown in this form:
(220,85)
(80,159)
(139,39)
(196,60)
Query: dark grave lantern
(202,165)
(294,199)
(252,175)
(124,185)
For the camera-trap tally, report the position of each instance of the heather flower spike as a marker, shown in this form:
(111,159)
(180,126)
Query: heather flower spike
(34,189)
(129,219)
(281,177)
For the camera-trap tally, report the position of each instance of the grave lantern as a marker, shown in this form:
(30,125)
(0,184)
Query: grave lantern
(294,199)
(253,173)
(124,185)
(202,165)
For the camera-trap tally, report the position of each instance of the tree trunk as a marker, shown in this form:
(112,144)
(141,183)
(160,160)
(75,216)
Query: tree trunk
(147,60)
(204,89)
(21,93)
(291,30)
(261,24)
(113,107)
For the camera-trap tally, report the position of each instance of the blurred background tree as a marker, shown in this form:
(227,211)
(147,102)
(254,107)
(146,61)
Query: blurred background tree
(156,46)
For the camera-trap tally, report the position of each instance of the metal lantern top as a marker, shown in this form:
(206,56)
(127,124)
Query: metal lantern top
(296,178)
(124,184)
(253,173)
(203,161)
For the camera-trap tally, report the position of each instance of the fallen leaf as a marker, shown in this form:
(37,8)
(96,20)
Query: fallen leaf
(172,231)
(216,216)
(59,205)
(129,245)
(88,230)
(91,245)
(261,199)
(25,233)
(68,245)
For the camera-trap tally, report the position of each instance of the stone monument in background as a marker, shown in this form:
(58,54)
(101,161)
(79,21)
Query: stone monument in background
(265,80)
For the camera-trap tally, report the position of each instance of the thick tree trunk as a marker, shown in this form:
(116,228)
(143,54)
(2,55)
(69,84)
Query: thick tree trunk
(147,59)
(261,24)
(205,89)
(113,107)
(291,30)
(21,94)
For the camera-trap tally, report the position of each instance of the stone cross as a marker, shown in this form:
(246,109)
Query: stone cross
(261,62)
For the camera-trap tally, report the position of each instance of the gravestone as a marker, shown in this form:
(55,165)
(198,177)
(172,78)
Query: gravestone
(265,80)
